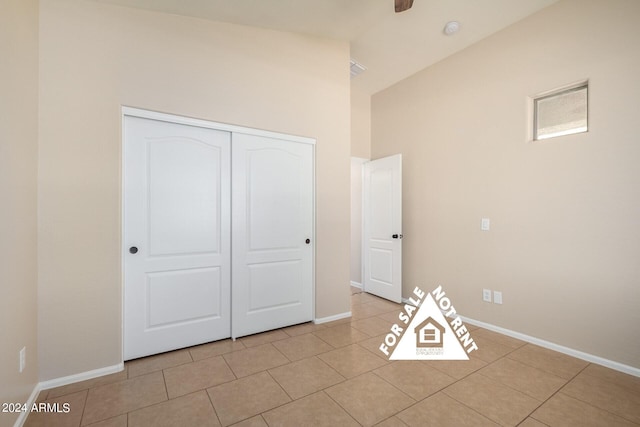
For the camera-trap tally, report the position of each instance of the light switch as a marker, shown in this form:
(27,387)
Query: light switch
(485,225)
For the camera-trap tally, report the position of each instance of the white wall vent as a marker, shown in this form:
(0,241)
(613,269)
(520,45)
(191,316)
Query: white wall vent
(356,68)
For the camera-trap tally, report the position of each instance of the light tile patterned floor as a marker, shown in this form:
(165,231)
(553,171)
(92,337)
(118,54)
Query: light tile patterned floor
(333,375)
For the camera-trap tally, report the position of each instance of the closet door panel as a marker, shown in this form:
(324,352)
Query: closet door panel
(176,243)
(272,229)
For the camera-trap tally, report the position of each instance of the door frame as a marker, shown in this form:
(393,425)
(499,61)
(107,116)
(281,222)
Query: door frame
(190,121)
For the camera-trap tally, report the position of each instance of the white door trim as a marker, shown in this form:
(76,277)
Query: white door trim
(173,118)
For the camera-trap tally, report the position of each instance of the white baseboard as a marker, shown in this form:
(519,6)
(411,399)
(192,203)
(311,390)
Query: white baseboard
(621,367)
(332,318)
(556,347)
(82,376)
(57,382)
(32,399)
(356,284)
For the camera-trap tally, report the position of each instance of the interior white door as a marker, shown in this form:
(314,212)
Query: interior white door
(382,234)
(176,243)
(273,232)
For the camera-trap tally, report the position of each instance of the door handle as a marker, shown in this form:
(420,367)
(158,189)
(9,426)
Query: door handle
(133,250)
(307,241)
(397,236)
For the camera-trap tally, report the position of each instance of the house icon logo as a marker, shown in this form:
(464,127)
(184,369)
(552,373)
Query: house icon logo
(424,333)
(429,334)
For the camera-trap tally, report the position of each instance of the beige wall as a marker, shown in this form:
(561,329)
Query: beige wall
(565,214)
(356,219)
(18,172)
(360,150)
(95,58)
(360,121)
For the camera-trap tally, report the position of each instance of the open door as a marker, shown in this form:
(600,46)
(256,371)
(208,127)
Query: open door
(382,234)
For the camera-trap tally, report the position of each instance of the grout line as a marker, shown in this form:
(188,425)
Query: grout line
(270,409)
(443,390)
(84,407)
(558,391)
(281,386)
(466,406)
(338,403)
(457,380)
(327,343)
(624,417)
(533,418)
(291,399)
(228,367)
(607,380)
(283,355)
(166,389)
(394,386)
(477,371)
(213,406)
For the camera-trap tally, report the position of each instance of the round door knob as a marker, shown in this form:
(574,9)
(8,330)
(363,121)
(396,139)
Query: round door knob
(133,250)
(307,241)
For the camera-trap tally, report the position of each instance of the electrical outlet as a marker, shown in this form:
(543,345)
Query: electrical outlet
(23,358)
(485,224)
(497,297)
(486,295)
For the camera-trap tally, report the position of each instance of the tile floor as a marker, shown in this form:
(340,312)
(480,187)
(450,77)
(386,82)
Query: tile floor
(333,375)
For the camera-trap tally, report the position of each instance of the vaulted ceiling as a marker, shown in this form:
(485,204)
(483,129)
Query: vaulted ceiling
(392,46)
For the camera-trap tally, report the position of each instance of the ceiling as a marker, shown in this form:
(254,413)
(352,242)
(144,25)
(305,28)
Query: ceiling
(392,46)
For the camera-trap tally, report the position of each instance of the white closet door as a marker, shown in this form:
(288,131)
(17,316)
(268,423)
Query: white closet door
(176,241)
(272,228)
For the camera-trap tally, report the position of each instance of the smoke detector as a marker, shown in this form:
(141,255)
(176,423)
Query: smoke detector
(451,28)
